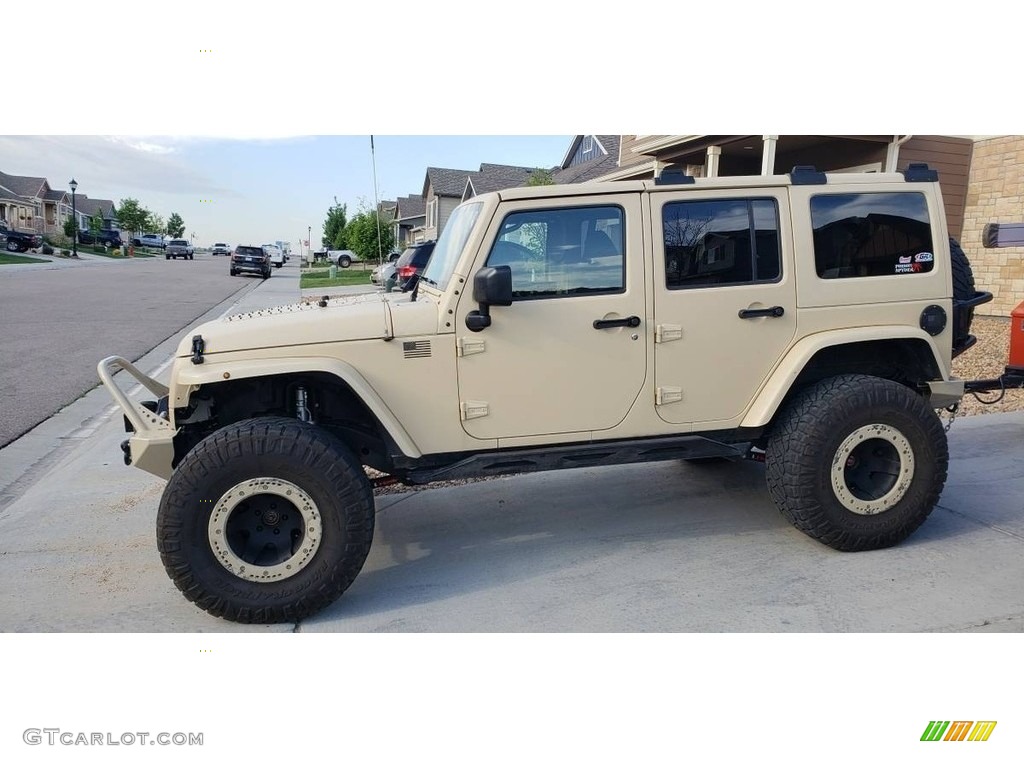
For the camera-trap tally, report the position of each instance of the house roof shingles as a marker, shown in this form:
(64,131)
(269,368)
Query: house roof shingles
(25,186)
(410,207)
(599,166)
(446,182)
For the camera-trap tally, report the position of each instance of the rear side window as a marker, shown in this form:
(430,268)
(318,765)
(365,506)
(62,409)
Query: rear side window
(248,250)
(721,242)
(871,234)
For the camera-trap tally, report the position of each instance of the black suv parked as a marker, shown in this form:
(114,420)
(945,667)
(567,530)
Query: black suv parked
(108,238)
(250,258)
(411,263)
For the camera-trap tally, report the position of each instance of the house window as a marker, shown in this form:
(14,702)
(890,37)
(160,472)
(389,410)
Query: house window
(562,252)
(432,213)
(588,143)
(721,242)
(871,234)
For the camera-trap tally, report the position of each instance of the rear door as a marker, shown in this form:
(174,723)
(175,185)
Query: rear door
(724,300)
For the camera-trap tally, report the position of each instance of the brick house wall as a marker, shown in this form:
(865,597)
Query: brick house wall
(995,194)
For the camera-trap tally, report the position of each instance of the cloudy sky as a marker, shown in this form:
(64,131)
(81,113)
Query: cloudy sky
(259,189)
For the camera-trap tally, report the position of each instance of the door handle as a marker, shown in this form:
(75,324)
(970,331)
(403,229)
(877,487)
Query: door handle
(747,314)
(622,322)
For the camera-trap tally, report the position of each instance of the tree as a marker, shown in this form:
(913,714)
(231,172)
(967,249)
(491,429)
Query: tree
(361,235)
(69,227)
(95,223)
(155,224)
(132,216)
(540,178)
(175,225)
(334,226)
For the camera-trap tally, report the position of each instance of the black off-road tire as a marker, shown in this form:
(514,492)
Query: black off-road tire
(232,272)
(963,289)
(251,456)
(805,462)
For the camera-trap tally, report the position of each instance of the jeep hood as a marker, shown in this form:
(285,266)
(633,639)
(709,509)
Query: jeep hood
(347,318)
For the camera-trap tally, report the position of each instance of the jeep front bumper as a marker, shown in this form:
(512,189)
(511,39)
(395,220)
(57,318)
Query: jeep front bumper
(151,446)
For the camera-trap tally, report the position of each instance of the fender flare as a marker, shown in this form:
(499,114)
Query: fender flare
(775,389)
(189,378)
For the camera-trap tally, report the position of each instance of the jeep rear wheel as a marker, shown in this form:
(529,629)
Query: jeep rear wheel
(344,262)
(857,462)
(268,520)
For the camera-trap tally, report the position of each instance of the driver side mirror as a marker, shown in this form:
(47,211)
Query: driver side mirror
(492,286)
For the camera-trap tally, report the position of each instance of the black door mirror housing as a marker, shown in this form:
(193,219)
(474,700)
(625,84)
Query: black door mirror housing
(492,286)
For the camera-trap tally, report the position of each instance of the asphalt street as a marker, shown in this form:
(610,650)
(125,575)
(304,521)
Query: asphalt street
(60,320)
(663,547)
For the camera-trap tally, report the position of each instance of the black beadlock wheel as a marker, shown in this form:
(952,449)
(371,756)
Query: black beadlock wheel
(268,520)
(857,462)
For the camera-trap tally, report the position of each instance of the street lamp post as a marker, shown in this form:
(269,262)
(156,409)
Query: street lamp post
(74,216)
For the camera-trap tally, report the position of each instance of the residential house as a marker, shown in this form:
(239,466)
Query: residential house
(442,192)
(87,207)
(14,208)
(26,216)
(588,158)
(995,195)
(644,157)
(409,221)
(491,178)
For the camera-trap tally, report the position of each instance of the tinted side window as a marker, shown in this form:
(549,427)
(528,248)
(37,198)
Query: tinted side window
(871,234)
(721,242)
(563,251)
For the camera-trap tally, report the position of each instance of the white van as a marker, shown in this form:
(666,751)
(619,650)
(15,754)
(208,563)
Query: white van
(275,253)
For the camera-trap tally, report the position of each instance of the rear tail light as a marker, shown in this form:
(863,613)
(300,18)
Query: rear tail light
(406,271)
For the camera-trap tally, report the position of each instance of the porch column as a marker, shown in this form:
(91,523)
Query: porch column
(712,163)
(768,155)
(892,152)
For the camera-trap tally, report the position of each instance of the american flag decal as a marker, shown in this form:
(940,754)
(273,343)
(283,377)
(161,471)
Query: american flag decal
(416,349)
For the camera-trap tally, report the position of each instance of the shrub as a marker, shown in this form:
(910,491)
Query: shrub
(47,249)
(65,253)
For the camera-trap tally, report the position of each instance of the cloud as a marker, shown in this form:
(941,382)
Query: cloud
(108,166)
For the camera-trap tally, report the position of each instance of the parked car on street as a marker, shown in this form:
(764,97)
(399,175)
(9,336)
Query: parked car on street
(19,241)
(108,238)
(385,271)
(221,249)
(411,264)
(150,241)
(275,253)
(250,259)
(176,248)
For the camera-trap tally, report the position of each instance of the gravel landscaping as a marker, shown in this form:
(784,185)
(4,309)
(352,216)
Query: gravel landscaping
(986,360)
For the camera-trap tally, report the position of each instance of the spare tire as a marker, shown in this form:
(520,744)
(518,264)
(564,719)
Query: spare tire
(963,291)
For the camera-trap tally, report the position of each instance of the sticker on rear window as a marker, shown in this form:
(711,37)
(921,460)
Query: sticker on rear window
(923,257)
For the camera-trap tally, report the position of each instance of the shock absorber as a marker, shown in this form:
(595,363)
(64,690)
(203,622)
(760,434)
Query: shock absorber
(302,412)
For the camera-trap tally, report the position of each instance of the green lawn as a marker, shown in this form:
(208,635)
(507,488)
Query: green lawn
(320,278)
(13,258)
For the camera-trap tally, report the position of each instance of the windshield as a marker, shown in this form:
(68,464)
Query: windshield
(450,244)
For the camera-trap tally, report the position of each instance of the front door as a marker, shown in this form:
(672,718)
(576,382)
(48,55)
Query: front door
(569,355)
(724,300)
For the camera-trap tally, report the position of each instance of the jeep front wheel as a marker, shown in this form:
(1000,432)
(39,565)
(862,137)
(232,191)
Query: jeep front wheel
(268,520)
(857,462)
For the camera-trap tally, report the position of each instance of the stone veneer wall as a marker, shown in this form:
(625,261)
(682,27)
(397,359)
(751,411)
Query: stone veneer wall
(995,194)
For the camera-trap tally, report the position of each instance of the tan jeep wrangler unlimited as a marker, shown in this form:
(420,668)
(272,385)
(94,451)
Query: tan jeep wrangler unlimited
(802,319)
